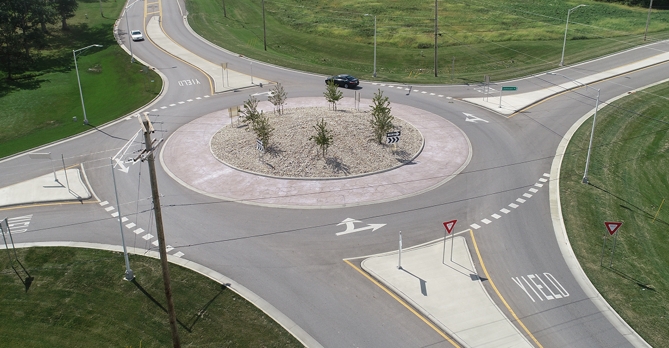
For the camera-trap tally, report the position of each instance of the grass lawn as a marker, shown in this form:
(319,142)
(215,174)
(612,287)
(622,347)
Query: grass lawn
(39,107)
(79,299)
(628,182)
(500,38)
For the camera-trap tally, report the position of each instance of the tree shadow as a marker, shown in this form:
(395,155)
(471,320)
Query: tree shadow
(630,206)
(191,322)
(337,166)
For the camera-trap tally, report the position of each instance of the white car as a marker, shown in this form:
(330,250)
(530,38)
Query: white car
(136,35)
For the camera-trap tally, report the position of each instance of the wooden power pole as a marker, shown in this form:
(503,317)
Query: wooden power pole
(436,34)
(148,129)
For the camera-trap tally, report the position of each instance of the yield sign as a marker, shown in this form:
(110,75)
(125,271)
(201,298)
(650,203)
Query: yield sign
(612,227)
(449,225)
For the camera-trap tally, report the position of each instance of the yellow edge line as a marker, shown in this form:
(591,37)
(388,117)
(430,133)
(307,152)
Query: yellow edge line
(160,10)
(428,322)
(485,271)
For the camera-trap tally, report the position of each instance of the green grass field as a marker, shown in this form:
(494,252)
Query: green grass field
(79,299)
(39,109)
(503,39)
(628,182)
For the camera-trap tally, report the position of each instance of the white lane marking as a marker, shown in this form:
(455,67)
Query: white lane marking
(206,96)
(547,175)
(432,94)
(198,98)
(533,190)
(543,179)
(539,185)
(527,195)
(109,208)
(486,221)
(181,102)
(138,231)
(102,204)
(114,214)
(173,104)
(475,226)
(496,216)
(350,227)
(474,119)
(163,107)
(406,89)
(147,236)
(505,211)
(399,87)
(189,100)
(130,225)
(423,92)
(155,242)
(179,254)
(513,205)
(520,200)
(449,97)
(169,248)
(124,219)
(440,96)
(154,110)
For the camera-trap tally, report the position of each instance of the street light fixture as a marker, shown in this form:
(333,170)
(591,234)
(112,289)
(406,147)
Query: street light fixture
(592,131)
(374,73)
(127,29)
(565,33)
(81,95)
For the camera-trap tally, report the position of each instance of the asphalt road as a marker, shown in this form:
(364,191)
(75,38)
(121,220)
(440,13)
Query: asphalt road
(293,259)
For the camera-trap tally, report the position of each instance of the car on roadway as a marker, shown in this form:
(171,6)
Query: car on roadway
(136,35)
(346,81)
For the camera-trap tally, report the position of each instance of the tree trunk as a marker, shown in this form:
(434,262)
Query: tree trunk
(63,22)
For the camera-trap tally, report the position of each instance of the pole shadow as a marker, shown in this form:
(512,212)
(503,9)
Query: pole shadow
(423,283)
(630,278)
(630,206)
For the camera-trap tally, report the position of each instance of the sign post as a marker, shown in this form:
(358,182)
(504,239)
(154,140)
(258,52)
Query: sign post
(399,264)
(611,227)
(505,88)
(449,228)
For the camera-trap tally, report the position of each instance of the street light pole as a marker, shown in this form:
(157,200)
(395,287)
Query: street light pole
(648,20)
(592,131)
(374,73)
(127,29)
(76,68)
(564,44)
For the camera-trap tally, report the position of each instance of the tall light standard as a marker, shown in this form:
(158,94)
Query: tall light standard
(374,73)
(127,29)
(592,131)
(81,95)
(565,33)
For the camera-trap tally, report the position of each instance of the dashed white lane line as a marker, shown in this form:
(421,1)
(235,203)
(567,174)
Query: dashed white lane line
(124,219)
(533,190)
(173,104)
(189,100)
(520,200)
(179,254)
(130,225)
(147,236)
(102,204)
(198,98)
(169,248)
(139,230)
(543,179)
(109,208)
(496,216)
(206,96)
(505,211)
(154,110)
(155,242)
(547,175)
(181,102)
(114,214)
(440,96)
(513,205)
(539,185)
(527,195)
(423,92)
(486,221)
(475,226)
(163,107)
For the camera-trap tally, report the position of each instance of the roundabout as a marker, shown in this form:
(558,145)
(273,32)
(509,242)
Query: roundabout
(188,159)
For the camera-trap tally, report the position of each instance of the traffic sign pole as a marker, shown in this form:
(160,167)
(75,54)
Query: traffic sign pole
(448,225)
(615,239)
(611,227)
(399,264)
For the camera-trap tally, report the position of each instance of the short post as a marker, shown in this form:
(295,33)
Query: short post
(452,247)
(500,96)
(399,264)
(65,171)
(613,250)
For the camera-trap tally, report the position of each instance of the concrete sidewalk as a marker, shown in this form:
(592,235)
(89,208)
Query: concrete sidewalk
(448,291)
(64,186)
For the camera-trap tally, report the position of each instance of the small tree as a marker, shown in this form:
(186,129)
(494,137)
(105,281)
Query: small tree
(323,137)
(382,120)
(333,94)
(250,112)
(262,129)
(278,97)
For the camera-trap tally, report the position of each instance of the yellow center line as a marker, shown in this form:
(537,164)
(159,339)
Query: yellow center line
(398,299)
(485,271)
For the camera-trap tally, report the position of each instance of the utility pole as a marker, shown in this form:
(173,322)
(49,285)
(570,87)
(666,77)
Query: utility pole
(648,20)
(436,32)
(264,29)
(148,129)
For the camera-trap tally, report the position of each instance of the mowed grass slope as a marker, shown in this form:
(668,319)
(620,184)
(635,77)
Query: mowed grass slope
(39,107)
(628,183)
(79,299)
(503,39)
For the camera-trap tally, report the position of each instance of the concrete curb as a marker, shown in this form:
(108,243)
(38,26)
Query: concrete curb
(563,240)
(247,294)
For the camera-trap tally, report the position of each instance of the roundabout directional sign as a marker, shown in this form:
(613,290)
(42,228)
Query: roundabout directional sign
(393,137)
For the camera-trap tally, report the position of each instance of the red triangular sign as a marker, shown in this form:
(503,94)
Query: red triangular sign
(449,225)
(612,227)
